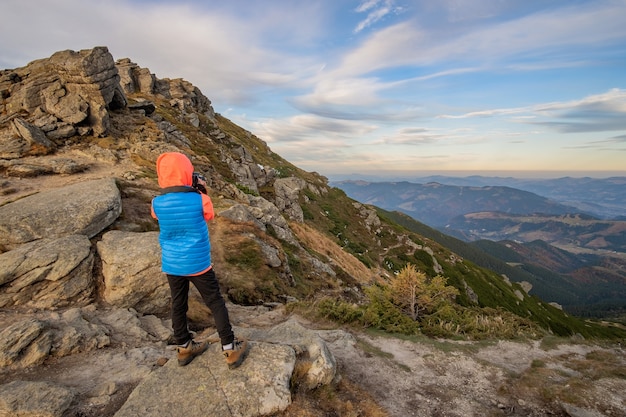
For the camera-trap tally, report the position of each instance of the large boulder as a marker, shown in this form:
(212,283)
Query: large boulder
(315,362)
(83,208)
(131,266)
(68,93)
(23,139)
(31,340)
(49,273)
(287,195)
(259,387)
(34,399)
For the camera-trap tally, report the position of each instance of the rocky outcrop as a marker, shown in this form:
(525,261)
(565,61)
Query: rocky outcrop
(287,192)
(131,267)
(83,208)
(48,273)
(260,386)
(180,93)
(73,287)
(262,214)
(67,94)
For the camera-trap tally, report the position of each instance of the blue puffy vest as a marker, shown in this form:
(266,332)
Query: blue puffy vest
(184,235)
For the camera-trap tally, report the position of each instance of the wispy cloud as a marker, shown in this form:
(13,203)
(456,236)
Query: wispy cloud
(595,113)
(375,9)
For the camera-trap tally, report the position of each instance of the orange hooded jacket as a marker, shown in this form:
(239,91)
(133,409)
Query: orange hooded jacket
(174,169)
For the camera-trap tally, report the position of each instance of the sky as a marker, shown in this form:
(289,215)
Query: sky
(530,87)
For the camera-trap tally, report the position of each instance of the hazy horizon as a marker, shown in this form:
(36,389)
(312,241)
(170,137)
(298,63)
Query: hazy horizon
(405,175)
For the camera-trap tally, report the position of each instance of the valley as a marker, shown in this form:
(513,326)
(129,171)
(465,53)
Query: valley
(576,259)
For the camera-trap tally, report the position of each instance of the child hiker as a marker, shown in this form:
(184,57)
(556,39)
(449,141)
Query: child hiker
(182,212)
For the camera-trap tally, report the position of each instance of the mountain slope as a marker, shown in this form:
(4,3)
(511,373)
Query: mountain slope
(283,233)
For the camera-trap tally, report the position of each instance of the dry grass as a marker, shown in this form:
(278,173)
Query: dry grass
(344,399)
(568,378)
(321,244)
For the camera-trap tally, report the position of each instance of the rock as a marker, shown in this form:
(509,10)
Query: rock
(182,94)
(131,265)
(76,332)
(50,273)
(269,215)
(574,411)
(83,208)
(64,91)
(30,341)
(314,360)
(34,399)
(372,222)
(148,107)
(42,166)
(24,139)
(287,194)
(133,78)
(260,386)
(262,214)
(125,325)
(24,343)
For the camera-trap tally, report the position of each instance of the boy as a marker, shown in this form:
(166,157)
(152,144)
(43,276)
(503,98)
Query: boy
(182,212)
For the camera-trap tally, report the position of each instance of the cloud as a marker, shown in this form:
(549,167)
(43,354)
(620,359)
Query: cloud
(306,126)
(595,113)
(412,136)
(377,9)
(228,57)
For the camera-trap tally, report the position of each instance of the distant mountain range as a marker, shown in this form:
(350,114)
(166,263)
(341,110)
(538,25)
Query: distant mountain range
(603,198)
(437,204)
(572,256)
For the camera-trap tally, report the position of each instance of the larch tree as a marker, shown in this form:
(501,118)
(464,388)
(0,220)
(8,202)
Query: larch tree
(417,294)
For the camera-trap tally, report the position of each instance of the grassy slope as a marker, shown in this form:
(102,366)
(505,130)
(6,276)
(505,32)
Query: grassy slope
(338,219)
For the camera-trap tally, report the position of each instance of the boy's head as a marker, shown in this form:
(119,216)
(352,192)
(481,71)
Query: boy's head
(174,169)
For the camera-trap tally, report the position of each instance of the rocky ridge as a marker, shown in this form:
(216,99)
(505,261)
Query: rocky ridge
(77,280)
(83,304)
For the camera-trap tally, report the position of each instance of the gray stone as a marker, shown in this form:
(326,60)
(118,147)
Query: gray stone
(50,273)
(131,265)
(259,387)
(34,399)
(312,353)
(82,208)
(287,195)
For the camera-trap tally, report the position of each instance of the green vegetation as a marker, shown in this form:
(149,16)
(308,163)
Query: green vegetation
(395,308)
(463,294)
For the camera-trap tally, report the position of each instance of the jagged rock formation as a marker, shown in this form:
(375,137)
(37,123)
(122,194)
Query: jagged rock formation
(72,284)
(67,94)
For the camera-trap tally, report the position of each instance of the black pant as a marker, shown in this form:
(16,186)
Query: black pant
(209,289)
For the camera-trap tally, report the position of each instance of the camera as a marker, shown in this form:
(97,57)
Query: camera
(196,184)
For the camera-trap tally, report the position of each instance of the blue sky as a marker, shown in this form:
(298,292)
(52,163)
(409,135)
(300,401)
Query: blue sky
(376,86)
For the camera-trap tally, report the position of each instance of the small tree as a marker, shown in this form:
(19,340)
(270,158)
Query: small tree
(416,294)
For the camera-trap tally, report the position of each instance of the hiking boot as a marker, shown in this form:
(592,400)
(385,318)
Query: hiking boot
(193,349)
(237,354)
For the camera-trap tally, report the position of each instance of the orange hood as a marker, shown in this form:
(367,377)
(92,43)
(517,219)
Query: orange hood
(174,169)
